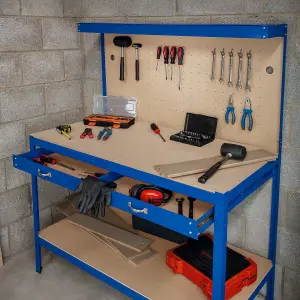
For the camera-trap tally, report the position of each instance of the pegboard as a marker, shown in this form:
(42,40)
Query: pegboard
(160,100)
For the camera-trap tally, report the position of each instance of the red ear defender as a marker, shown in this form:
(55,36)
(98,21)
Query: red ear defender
(150,194)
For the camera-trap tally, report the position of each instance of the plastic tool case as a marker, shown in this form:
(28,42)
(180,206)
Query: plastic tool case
(194,260)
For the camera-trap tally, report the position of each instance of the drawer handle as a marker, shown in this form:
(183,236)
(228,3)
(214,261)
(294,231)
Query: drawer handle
(44,174)
(138,211)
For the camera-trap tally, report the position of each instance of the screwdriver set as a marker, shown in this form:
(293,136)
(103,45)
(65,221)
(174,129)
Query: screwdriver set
(199,130)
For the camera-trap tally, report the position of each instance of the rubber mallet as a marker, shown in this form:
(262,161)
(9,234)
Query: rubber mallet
(228,151)
(123,42)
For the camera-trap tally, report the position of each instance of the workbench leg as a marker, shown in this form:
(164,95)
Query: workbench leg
(219,254)
(36,220)
(273,230)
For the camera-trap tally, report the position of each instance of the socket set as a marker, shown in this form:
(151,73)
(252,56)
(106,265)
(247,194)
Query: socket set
(191,138)
(198,130)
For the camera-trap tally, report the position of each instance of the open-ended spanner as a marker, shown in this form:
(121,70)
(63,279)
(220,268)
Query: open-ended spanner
(230,83)
(222,66)
(240,68)
(248,81)
(213,68)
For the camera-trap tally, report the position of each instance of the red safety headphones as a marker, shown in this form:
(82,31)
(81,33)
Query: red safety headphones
(150,194)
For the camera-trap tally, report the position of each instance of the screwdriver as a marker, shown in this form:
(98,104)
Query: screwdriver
(158,55)
(180,63)
(173,57)
(166,59)
(46,159)
(155,128)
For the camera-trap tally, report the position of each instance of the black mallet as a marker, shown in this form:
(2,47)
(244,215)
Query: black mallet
(123,42)
(137,46)
(228,151)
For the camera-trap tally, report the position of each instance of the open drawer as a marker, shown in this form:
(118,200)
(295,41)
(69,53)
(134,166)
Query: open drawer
(166,215)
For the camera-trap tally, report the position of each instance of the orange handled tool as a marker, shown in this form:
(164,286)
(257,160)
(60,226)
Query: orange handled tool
(155,128)
(180,54)
(158,55)
(166,59)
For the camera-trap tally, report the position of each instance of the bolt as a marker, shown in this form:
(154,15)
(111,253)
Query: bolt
(180,207)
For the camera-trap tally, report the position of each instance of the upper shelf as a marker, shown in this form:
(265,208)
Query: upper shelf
(218,31)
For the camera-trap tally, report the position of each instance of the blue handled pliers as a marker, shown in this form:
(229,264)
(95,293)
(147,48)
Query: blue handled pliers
(230,111)
(247,112)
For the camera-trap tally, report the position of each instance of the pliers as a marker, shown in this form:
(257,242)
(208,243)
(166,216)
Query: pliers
(230,111)
(247,112)
(106,132)
(87,132)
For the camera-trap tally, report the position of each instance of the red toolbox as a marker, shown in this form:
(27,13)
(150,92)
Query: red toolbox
(194,260)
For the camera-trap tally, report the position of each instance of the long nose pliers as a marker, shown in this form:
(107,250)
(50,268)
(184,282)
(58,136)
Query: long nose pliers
(247,112)
(230,111)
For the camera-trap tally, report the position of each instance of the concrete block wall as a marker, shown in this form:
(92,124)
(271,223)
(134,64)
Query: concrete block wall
(41,86)
(49,73)
(248,223)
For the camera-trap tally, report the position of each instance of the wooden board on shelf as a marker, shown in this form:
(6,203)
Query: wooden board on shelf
(111,232)
(1,259)
(202,165)
(146,149)
(78,243)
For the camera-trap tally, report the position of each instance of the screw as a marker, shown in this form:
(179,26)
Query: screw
(191,209)
(180,206)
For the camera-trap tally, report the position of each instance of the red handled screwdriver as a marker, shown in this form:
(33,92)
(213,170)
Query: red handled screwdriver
(180,54)
(158,55)
(166,59)
(173,57)
(155,128)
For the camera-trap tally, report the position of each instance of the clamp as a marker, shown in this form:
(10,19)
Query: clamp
(87,132)
(230,111)
(247,112)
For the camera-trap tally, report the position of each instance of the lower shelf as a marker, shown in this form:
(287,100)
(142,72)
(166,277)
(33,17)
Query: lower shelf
(153,279)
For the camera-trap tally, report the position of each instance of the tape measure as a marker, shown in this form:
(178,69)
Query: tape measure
(64,130)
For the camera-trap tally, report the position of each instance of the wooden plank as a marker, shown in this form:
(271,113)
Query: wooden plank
(80,244)
(1,259)
(113,233)
(202,165)
(142,257)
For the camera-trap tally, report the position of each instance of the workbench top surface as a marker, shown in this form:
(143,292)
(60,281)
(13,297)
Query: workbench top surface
(138,147)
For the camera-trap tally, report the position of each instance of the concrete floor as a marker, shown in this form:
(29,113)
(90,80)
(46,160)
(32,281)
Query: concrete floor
(59,280)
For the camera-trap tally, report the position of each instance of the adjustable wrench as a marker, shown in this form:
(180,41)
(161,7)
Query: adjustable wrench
(248,84)
(240,67)
(230,83)
(222,66)
(213,71)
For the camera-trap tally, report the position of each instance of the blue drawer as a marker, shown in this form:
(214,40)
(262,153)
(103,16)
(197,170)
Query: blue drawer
(25,163)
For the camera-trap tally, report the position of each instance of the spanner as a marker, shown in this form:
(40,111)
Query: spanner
(222,66)
(230,84)
(248,84)
(240,67)
(213,71)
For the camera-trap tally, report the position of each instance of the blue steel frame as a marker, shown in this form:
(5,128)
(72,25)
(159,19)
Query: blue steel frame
(223,203)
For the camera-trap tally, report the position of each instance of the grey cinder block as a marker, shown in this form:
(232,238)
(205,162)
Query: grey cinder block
(42,7)
(90,8)
(147,8)
(195,7)
(298,39)
(295,127)
(40,67)
(291,287)
(75,115)
(288,249)
(9,7)
(4,241)
(62,96)
(172,20)
(15,177)
(91,41)
(253,6)
(21,233)
(290,212)
(257,236)
(73,64)
(15,204)
(12,139)
(281,6)
(44,123)
(22,103)
(10,69)
(292,80)
(92,64)
(60,34)
(20,34)
(2,176)
(290,167)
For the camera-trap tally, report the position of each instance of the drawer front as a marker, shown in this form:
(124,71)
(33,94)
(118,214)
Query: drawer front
(158,215)
(25,163)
